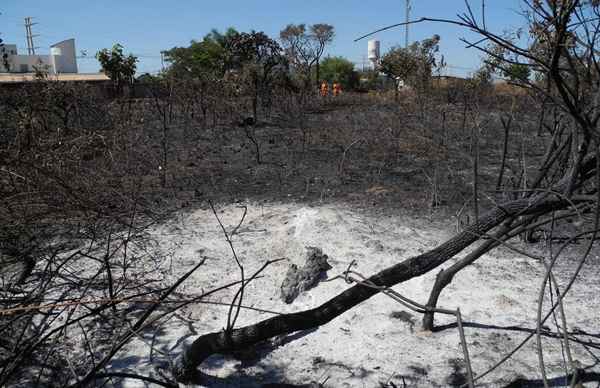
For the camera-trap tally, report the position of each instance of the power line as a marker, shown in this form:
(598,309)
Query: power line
(139,55)
(460,67)
(147,56)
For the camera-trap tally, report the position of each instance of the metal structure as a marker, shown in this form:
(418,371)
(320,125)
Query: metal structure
(408,9)
(30,46)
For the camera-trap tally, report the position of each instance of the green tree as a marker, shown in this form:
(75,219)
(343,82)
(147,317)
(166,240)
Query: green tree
(201,64)
(322,34)
(511,65)
(339,69)
(517,72)
(413,65)
(368,80)
(120,68)
(399,64)
(204,60)
(257,60)
(304,47)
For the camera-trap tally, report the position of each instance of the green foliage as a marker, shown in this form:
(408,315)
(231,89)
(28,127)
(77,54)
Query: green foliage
(510,65)
(147,78)
(250,61)
(322,34)
(339,69)
(304,47)
(414,65)
(399,63)
(368,80)
(252,48)
(255,61)
(517,72)
(120,68)
(205,59)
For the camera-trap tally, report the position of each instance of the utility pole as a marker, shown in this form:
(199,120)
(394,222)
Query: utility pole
(30,46)
(408,8)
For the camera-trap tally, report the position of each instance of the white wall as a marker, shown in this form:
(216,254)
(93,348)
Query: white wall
(62,59)
(26,63)
(64,56)
(10,49)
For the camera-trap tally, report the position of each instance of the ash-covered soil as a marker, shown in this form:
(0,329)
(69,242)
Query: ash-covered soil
(379,343)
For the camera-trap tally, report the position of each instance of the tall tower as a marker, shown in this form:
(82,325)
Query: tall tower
(30,46)
(373,52)
(408,9)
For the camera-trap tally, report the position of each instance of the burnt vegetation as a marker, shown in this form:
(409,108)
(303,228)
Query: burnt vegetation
(86,170)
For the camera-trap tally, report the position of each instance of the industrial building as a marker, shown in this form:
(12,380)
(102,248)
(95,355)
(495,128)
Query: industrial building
(62,59)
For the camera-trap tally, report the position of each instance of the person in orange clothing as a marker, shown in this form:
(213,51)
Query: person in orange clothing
(337,89)
(324,89)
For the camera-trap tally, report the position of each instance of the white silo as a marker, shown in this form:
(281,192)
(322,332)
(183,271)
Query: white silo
(63,56)
(373,52)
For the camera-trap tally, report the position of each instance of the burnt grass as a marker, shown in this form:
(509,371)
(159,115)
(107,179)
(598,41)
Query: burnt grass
(363,150)
(84,159)
(106,159)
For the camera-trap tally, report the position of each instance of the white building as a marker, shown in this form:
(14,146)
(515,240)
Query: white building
(62,59)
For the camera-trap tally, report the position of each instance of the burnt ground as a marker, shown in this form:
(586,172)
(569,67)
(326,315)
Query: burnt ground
(391,155)
(358,152)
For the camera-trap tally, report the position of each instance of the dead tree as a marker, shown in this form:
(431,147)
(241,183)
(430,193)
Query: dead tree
(162,93)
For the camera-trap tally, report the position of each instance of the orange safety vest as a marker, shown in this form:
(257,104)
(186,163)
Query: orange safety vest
(324,89)
(337,89)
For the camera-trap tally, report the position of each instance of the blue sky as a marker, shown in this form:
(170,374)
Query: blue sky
(145,27)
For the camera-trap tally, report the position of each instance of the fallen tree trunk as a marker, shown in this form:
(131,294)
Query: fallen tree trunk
(185,366)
